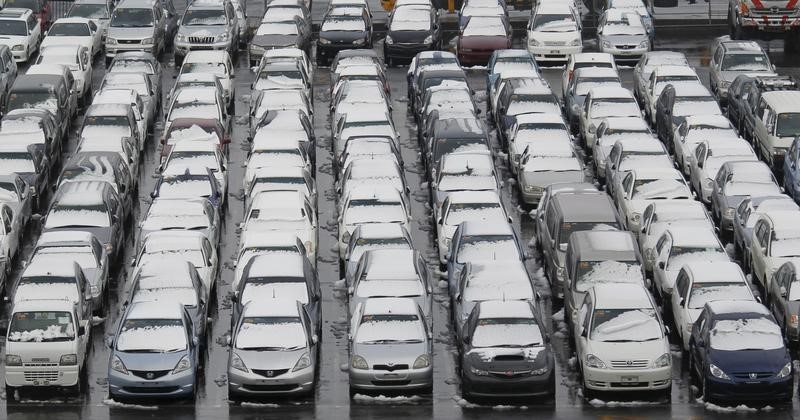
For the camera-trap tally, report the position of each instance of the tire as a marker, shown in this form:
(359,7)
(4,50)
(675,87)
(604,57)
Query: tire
(11,393)
(707,398)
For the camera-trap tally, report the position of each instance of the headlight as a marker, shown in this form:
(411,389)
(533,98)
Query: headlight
(237,363)
(346,237)
(13,360)
(68,360)
(223,37)
(183,364)
(428,40)
(793,321)
(389,40)
(717,372)
(117,365)
(359,41)
(785,371)
(594,362)
(180,38)
(18,48)
(606,44)
(708,183)
(538,372)
(478,372)
(111,41)
(147,41)
(324,41)
(644,44)
(533,42)
(576,42)
(303,362)
(728,213)
(422,361)
(358,362)
(636,217)
(664,361)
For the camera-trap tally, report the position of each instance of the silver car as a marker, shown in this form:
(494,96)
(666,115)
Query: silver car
(390,347)
(207,26)
(622,34)
(273,350)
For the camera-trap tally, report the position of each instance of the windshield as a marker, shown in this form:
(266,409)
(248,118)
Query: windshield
(389,328)
(77,216)
(745,334)
(42,326)
(89,11)
(271,334)
(487,248)
(745,62)
(152,336)
(614,107)
(26,100)
(568,228)
(213,68)
(69,29)
(204,17)
(131,18)
(709,292)
(13,27)
(294,287)
(554,23)
(411,19)
(461,212)
(680,255)
(194,256)
(366,211)
(70,61)
(344,24)
(788,125)
(484,26)
(507,332)
(20,162)
(133,66)
(625,325)
(192,186)
(591,273)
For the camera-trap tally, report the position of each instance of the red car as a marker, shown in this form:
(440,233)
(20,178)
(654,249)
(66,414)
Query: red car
(480,37)
(194,129)
(40,8)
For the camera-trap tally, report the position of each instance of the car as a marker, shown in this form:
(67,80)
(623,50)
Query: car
(197,158)
(282,212)
(204,103)
(782,300)
(580,60)
(605,144)
(791,175)
(461,206)
(22,32)
(661,77)
(693,130)
(427,59)
(194,247)
(374,122)
(89,206)
(343,27)
(207,25)
(378,171)
(372,236)
(662,215)
(10,236)
(638,6)
(366,205)
(113,123)
(608,354)
(274,350)
(554,32)
(493,331)
(276,76)
(271,153)
(730,58)
(389,337)
(278,100)
(214,62)
(277,243)
(433,75)
(647,64)
(641,186)
(523,100)
(709,155)
(529,127)
(462,172)
(508,59)
(139,62)
(31,165)
(40,8)
(180,214)
(140,83)
(700,282)
(158,338)
(736,181)
(139,25)
(411,29)
(282,31)
(457,135)
(124,147)
(74,31)
(195,129)
(678,246)
(15,193)
(774,129)
(44,92)
(677,103)
(444,98)
(747,214)
(480,36)
(99,11)
(195,80)
(584,80)
(63,280)
(774,241)
(288,55)
(632,153)
(190,186)
(731,339)
(367,147)
(622,33)
(601,103)
(544,163)
(283,178)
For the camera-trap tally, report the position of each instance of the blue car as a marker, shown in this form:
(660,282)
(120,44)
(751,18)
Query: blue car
(791,172)
(737,354)
(154,353)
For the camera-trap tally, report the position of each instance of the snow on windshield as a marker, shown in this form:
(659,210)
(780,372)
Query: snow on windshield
(661,188)
(77,216)
(155,335)
(623,325)
(41,326)
(488,250)
(409,19)
(746,334)
(478,26)
(708,292)
(283,333)
(591,273)
(507,332)
(375,329)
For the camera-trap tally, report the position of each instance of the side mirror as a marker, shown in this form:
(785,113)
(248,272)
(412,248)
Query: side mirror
(783,291)
(81,330)
(661,265)
(110,341)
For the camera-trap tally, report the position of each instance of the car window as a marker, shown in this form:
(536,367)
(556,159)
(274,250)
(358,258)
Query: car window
(682,284)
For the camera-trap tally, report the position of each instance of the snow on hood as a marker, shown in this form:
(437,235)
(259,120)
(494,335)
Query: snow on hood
(610,272)
(164,338)
(522,335)
(488,354)
(193,133)
(389,330)
(662,189)
(634,325)
(284,335)
(742,334)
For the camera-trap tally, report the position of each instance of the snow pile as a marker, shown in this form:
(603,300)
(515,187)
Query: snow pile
(259,405)
(115,404)
(600,403)
(741,408)
(464,403)
(340,284)
(382,399)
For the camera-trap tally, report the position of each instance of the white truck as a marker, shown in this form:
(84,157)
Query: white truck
(765,19)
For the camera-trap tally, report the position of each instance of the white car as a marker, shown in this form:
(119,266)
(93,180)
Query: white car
(641,186)
(379,171)
(217,63)
(621,342)
(582,60)
(709,155)
(622,33)
(75,31)
(650,60)
(370,204)
(545,164)
(529,127)
(678,246)
(276,55)
(130,97)
(166,214)
(602,103)
(192,246)
(465,206)
(282,178)
(462,172)
(692,131)
(79,61)
(201,102)
(267,151)
(554,32)
(371,236)
(279,243)
(700,282)
(662,215)
(604,145)
(660,78)
(21,30)
(633,153)
(775,240)
(197,158)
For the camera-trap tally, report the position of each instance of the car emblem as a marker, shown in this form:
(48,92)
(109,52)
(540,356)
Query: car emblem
(510,373)
(629,362)
(270,373)
(753,375)
(150,375)
(776,9)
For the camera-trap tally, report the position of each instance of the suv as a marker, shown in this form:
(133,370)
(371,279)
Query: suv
(731,58)
(207,25)
(138,25)
(745,92)
(776,123)
(21,32)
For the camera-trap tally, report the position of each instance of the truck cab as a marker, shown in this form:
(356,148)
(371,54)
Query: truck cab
(776,124)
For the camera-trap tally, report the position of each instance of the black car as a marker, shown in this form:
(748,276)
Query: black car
(425,59)
(289,33)
(505,352)
(677,102)
(411,29)
(460,135)
(343,28)
(29,162)
(737,353)
(101,166)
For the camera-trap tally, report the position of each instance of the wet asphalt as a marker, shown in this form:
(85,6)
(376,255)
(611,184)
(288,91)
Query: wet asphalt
(331,400)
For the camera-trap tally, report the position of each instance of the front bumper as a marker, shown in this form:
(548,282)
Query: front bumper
(289,383)
(369,379)
(628,379)
(406,51)
(21,56)
(180,385)
(770,22)
(113,49)
(745,390)
(628,54)
(500,385)
(183,48)
(51,375)
(554,53)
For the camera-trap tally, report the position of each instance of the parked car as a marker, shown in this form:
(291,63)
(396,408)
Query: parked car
(480,36)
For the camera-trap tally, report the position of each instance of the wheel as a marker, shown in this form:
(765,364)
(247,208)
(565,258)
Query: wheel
(11,393)
(706,397)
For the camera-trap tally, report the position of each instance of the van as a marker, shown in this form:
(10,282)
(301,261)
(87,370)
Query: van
(776,126)
(566,214)
(139,25)
(64,72)
(44,92)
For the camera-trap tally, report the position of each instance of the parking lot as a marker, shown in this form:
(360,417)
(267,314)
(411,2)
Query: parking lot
(331,400)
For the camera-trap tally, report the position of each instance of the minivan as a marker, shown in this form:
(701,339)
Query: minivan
(42,91)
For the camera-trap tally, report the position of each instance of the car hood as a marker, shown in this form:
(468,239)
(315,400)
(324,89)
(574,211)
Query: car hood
(103,234)
(544,178)
(270,360)
(130,33)
(625,39)
(390,353)
(638,350)
(749,360)
(276,40)
(501,359)
(563,38)
(11,40)
(409,37)
(342,37)
(484,42)
(202,31)
(728,76)
(150,361)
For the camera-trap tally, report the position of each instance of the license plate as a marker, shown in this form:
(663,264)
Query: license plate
(630,379)
(41,383)
(555,51)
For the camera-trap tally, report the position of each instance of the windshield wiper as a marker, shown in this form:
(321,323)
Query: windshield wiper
(620,341)
(262,348)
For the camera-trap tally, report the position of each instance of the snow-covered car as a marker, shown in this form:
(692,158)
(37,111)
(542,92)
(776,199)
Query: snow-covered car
(677,246)
(271,152)
(79,61)
(192,246)
(139,82)
(462,172)
(371,236)
(604,144)
(271,243)
(632,153)
(278,100)
(369,122)
(197,157)
(282,178)
(207,26)
(21,31)
(461,206)
(602,103)
(217,63)
(74,31)
(661,215)
(284,212)
(692,131)
(127,97)
(736,181)
(99,11)
(650,60)
(554,32)
(622,33)
(180,214)
(139,62)
(747,214)
(584,80)
(480,241)
(544,163)
(709,155)
(366,205)
(661,77)
(775,240)
(367,147)
(641,186)
(528,128)
(581,60)
(199,102)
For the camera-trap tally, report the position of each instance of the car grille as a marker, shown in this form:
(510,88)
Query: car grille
(270,388)
(629,364)
(42,375)
(201,39)
(40,364)
(391,383)
(390,368)
(150,389)
(270,373)
(129,41)
(625,47)
(554,43)
(510,374)
(154,374)
(758,375)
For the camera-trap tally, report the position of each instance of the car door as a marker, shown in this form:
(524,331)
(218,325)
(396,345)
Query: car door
(774,294)
(679,299)
(790,171)
(662,249)
(624,196)
(758,249)
(581,332)
(699,339)
(13,232)
(714,66)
